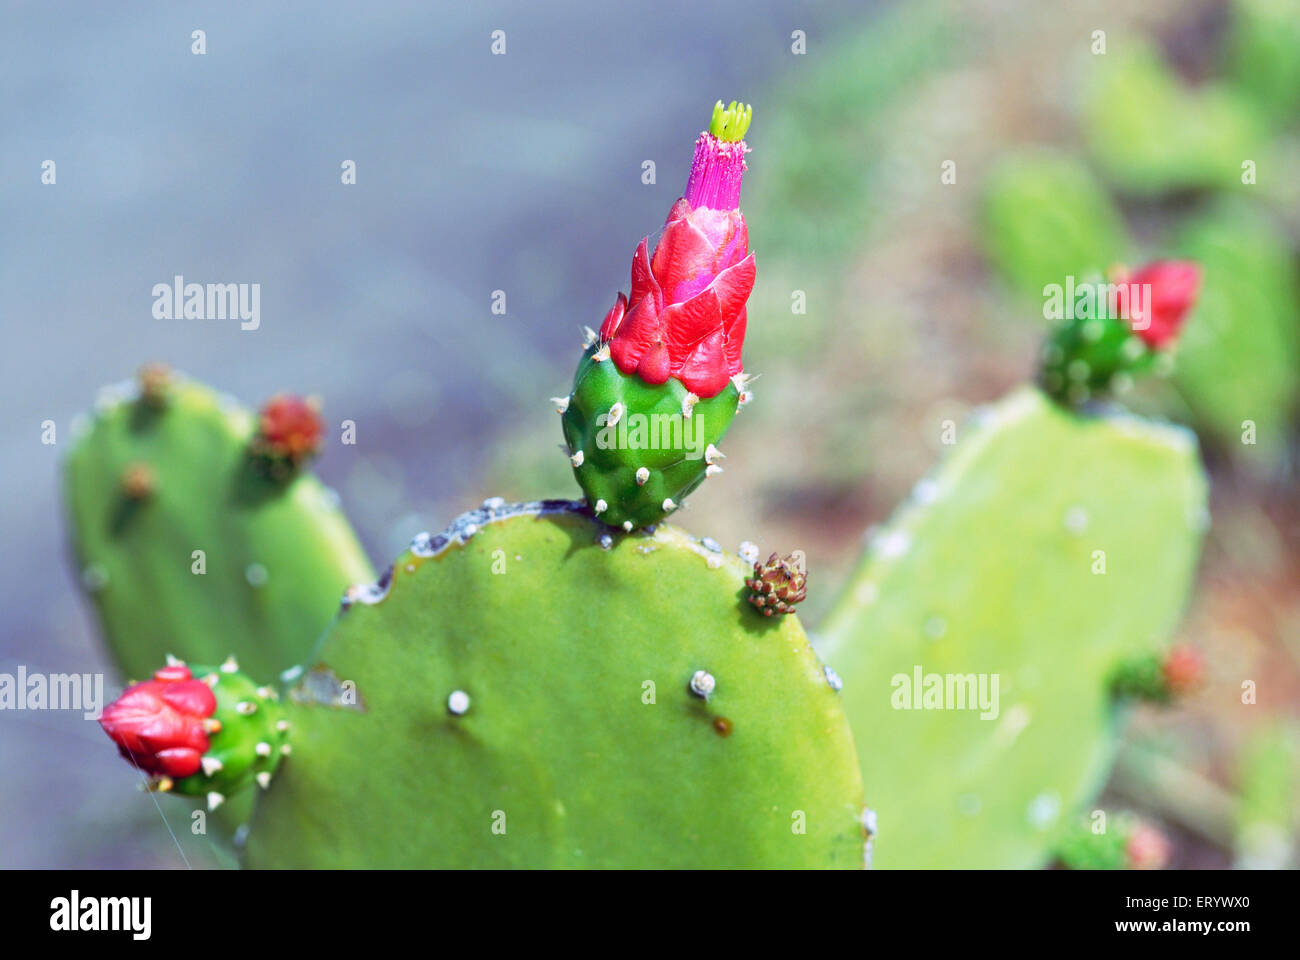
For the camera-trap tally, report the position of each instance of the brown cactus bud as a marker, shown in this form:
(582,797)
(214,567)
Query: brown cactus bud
(777,585)
(139,481)
(154,379)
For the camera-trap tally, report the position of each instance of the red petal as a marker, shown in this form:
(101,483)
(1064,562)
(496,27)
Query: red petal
(145,721)
(1174,286)
(178,762)
(643,281)
(193,698)
(683,254)
(704,372)
(654,366)
(735,335)
(726,233)
(686,324)
(738,245)
(171,729)
(680,211)
(131,711)
(733,286)
(635,334)
(177,671)
(613,319)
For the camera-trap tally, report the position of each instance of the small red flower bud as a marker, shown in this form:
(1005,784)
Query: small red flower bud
(290,428)
(1147,848)
(1171,287)
(1183,669)
(159,725)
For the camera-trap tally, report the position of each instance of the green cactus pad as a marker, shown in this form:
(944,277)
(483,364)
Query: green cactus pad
(990,570)
(1045,218)
(276,554)
(1268,782)
(248,747)
(1153,135)
(499,679)
(1262,61)
(643,467)
(1239,358)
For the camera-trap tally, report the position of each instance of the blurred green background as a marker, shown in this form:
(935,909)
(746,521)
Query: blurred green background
(923,298)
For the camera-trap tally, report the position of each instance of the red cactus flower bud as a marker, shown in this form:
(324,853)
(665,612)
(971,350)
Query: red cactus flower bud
(1183,669)
(685,317)
(1147,848)
(1171,287)
(290,427)
(159,725)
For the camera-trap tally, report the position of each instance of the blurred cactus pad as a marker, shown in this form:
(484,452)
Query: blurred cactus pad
(191,544)
(1237,367)
(1047,548)
(1239,363)
(1152,133)
(529,689)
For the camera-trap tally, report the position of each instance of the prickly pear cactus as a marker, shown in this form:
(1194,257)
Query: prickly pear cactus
(197,533)
(531,690)
(658,385)
(1048,548)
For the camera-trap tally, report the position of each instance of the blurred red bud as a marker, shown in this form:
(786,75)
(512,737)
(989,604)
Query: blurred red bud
(158,725)
(1171,287)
